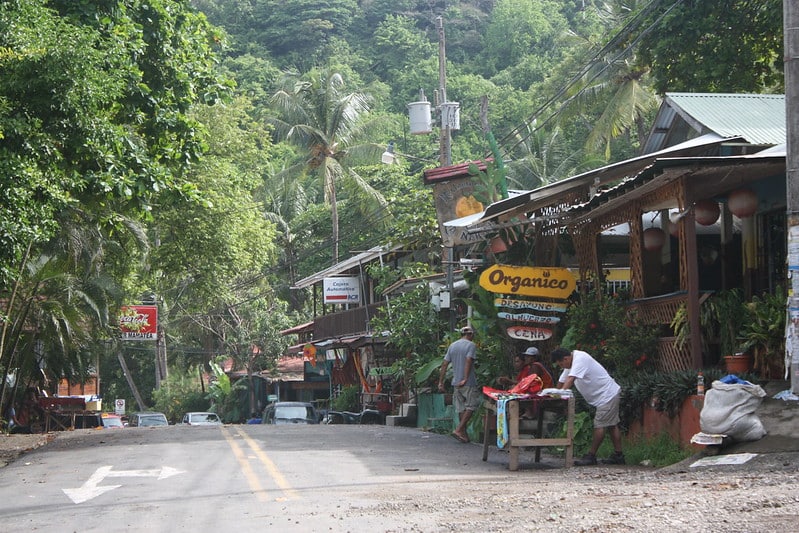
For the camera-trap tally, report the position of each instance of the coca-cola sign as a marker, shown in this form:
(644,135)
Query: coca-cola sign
(138,322)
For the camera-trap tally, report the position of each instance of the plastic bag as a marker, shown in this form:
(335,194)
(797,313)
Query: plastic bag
(729,409)
(531,384)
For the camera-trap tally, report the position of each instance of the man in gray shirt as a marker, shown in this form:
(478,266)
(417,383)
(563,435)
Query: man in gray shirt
(466,397)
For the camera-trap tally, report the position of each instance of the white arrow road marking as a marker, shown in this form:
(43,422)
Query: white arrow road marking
(90,488)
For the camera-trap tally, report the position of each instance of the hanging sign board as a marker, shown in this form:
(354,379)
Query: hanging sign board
(138,322)
(527,317)
(554,282)
(528,333)
(529,304)
(342,290)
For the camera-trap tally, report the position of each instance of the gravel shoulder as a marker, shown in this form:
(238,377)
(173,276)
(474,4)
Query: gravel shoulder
(12,446)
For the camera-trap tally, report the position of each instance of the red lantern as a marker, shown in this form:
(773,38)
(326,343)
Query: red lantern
(654,239)
(706,212)
(742,203)
(497,245)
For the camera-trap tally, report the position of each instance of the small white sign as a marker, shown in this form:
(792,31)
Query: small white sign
(342,290)
(731,459)
(119,406)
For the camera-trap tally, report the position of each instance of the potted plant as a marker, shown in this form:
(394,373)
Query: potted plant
(763,333)
(721,318)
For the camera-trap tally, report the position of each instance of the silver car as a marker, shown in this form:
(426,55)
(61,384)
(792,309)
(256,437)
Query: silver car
(290,413)
(201,419)
(147,419)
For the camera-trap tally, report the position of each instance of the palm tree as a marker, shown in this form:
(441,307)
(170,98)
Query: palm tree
(317,115)
(542,156)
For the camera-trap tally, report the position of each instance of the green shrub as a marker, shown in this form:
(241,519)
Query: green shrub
(347,400)
(600,325)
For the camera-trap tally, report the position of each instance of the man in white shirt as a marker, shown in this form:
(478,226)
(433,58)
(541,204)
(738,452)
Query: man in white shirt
(601,392)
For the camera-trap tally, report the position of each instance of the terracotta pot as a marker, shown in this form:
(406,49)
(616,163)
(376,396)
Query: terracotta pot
(739,363)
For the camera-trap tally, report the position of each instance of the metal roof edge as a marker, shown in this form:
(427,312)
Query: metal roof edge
(347,264)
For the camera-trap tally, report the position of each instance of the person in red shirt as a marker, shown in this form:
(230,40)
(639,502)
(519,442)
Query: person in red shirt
(531,355)
(522,369)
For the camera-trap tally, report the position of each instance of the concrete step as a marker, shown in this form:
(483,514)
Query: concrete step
(408,409)
(400,421)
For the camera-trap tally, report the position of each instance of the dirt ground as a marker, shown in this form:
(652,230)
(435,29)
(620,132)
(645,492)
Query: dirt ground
(12,446)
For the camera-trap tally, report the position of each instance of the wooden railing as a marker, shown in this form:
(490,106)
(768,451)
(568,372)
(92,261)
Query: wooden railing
(660,310)
(346,322)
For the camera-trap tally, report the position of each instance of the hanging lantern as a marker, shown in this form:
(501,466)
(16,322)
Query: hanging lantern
(674,221)
(706,212)
(654,239)
(742,203)
(497,245)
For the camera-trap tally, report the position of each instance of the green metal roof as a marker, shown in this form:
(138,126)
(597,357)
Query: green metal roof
(758,118)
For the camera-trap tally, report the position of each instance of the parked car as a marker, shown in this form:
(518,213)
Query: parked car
(201,419)
(147,419)
(290,413)
(112,421)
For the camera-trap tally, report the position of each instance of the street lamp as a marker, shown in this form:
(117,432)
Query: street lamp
(388,156)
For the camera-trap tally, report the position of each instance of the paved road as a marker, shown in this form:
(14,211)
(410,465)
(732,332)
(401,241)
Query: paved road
(367,478)
(243,477)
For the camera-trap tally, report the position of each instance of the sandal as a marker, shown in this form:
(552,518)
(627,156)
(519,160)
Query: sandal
(464,440)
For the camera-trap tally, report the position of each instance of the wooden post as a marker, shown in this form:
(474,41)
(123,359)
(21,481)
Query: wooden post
(791,40)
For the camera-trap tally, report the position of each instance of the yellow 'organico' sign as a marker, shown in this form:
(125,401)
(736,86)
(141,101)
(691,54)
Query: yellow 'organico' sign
(555,282)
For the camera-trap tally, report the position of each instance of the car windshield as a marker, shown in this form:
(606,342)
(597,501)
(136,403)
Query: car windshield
(152,420)
(292,412)
(112,422)
(204,417)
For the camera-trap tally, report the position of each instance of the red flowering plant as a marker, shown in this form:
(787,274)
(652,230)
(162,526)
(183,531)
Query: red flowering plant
(600,325)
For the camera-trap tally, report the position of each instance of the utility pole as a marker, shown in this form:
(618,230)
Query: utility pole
(449,116)
(445,152)
(445,144)
(791,39)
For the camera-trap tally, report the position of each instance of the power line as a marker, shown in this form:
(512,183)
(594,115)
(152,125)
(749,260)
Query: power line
(626,30)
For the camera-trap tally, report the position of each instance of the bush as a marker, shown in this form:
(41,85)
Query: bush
(347,400)
(600,325)
(179,394)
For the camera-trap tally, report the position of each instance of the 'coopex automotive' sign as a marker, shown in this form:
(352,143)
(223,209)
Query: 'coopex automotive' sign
(344,290)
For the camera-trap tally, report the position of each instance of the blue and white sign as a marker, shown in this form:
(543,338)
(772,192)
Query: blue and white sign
(342,290)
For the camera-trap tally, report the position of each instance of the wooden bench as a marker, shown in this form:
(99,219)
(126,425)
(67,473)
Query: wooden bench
(522,434)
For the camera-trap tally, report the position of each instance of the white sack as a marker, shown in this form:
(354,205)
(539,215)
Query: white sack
(729,409)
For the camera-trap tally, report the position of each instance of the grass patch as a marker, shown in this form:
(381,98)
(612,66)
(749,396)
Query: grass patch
(660,451)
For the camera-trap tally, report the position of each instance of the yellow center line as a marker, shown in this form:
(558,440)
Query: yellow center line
(246,469)
(280,481)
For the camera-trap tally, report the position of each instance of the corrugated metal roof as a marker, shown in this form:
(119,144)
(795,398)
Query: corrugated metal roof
(529,201)
(300,328)
(461,170)
(758,118)
(347,264)
(751,166)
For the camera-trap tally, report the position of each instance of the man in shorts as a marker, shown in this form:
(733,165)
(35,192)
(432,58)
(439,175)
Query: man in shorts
(462,354)
(600,391)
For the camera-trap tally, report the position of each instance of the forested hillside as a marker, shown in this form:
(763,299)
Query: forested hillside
(207,154)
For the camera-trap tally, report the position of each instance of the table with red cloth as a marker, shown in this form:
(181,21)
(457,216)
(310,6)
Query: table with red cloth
(529,433)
